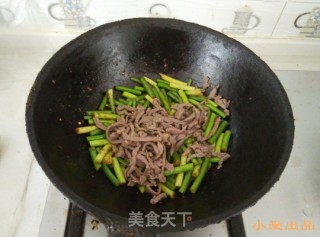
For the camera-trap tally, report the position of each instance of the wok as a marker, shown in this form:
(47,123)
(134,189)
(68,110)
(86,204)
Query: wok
(75,78)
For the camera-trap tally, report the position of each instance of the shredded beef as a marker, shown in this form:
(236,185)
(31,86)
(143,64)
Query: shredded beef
(223,103)
(205,83)
(144,137)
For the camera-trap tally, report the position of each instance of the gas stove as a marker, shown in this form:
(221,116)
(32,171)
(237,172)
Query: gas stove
(62,218)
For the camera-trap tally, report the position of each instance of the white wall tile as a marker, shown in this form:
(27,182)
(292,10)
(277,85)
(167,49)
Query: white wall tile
(196,12)
(105,11)
(217,14)
(305,1)
(309,20)
(267,12)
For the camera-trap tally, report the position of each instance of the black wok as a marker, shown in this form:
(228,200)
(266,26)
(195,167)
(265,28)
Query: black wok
(73,81)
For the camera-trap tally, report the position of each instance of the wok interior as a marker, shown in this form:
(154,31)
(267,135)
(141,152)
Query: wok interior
(74,81)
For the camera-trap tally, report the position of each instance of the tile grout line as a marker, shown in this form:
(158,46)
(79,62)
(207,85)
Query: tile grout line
(274,28)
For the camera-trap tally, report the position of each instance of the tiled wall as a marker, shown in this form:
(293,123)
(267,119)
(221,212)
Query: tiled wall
(254,18)
(300,19)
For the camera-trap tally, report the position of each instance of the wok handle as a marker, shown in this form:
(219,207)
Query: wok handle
(236,227)
(75,221)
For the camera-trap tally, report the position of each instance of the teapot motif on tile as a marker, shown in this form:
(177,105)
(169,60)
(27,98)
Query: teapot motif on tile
(311,28)
(71,13)
(6,16)
(241,21)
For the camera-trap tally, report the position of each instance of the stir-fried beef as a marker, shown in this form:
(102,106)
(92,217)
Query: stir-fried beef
(144,136)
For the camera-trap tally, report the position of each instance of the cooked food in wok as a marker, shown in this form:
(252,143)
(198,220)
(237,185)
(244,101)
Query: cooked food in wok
(161,136)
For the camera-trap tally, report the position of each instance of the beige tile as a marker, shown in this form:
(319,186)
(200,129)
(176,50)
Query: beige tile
(299,19)
(252,18)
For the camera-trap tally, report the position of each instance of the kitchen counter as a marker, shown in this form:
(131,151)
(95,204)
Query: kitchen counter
(295,198)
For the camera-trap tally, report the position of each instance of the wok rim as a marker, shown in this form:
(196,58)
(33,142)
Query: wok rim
(87,206)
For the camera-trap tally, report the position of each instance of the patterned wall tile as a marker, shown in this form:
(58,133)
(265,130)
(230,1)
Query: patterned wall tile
(252,18)
(299,19)
(106,11)
(261,18)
